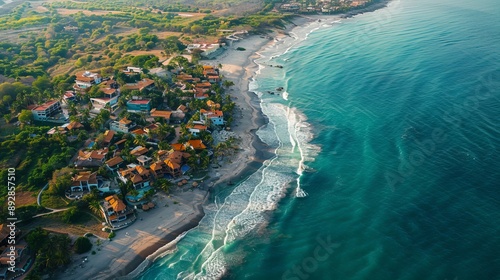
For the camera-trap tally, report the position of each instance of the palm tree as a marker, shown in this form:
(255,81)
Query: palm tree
(164,145)
(94,207)
(140,140)
(228,83)
(163,184)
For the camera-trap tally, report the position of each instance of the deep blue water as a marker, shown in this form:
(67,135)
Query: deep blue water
(394,116)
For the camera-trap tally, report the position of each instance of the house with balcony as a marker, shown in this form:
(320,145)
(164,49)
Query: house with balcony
(114,163)
(85,80)
(124,125)
(139,105)
(84,181)
(91,158)
(104,103)
(47,110)
(195,129)
(138,175)
(175,164)
(116,213)
(69,96)
(216,117)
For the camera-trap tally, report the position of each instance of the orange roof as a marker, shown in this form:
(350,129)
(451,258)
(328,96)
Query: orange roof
(178,147)
(172,164)
(197,144)
(138,131)
(114,161)
(160,114)
(120,141)
(156,166)
(97,154)
(201,95)
(141,170)
(140,151)
(116,203)
(162,152)
(210,103)
(182,108)
(108,136)
(86,176)
(125,121)
(207,67)
(198,126)
(136,179)
(45,105)
(204,85)
(108,91)
(140,85)
(74,125)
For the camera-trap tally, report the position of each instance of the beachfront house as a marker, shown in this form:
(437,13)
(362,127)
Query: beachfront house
(116,213)
(47,110)
(174,164)
(138,175)
(216,117)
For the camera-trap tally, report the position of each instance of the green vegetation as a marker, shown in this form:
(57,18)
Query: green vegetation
(51,251)
(82,245)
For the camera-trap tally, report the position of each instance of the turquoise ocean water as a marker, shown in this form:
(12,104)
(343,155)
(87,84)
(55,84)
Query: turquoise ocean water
(389,126)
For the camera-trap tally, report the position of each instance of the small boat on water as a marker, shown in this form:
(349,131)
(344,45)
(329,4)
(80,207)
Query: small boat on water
(279,88)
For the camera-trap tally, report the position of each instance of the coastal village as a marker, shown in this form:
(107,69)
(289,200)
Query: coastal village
(119,112)
(142,134)
(319,7)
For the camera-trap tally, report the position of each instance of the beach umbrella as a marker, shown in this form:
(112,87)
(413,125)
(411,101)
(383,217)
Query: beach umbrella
(195,184)
(184,181)
(145,207)
(151,205)
(179,184)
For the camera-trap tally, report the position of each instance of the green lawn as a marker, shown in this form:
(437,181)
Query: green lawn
(52,201)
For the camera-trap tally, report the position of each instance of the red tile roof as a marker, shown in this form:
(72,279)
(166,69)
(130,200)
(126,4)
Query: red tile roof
(45,105)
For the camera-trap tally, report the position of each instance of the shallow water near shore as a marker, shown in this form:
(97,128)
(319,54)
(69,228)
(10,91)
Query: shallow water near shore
(388,121)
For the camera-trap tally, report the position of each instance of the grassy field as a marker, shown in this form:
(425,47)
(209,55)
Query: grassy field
(52,201)
(66,12)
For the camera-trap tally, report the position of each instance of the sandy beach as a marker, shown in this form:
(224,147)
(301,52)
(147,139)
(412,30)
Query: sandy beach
(153,229)
(147,238)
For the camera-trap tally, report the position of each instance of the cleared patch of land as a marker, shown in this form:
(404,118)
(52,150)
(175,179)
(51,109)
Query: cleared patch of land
(25,198)
(66,12)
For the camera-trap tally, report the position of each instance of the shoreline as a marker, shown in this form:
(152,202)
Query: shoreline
(239,67)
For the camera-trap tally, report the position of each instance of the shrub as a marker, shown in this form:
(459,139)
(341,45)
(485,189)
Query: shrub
(82,245)
(111,235)
(240,49)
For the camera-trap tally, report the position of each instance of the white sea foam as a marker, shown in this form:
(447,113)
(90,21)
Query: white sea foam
(243,210)
(285,95)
